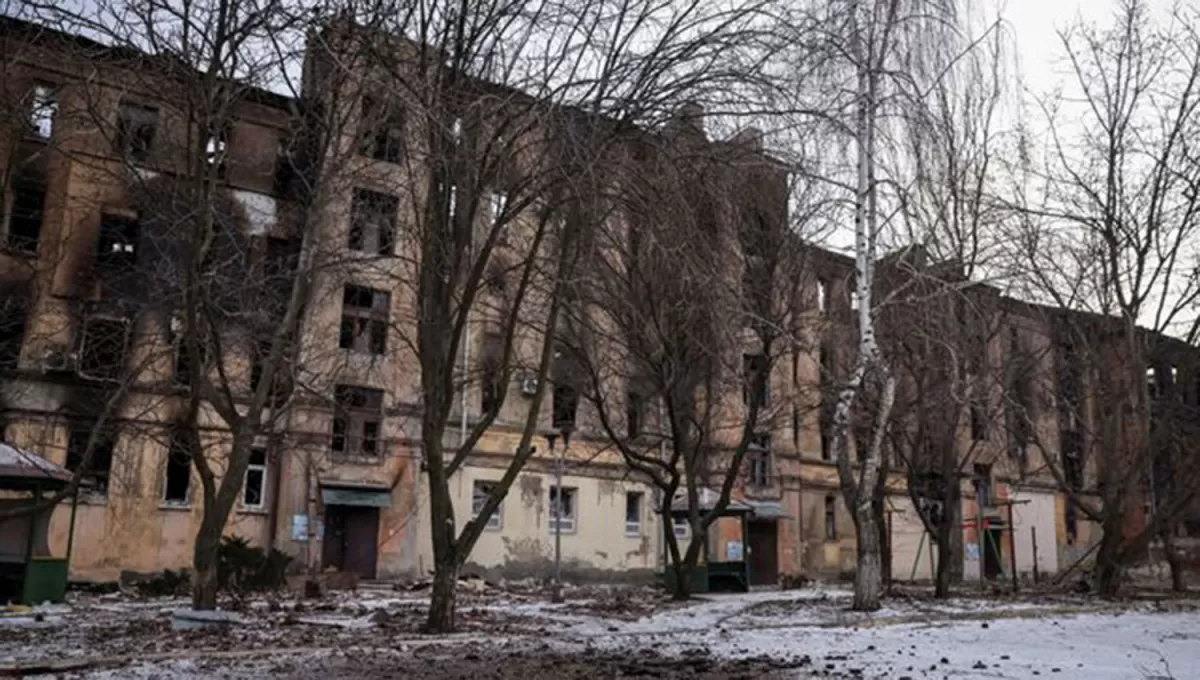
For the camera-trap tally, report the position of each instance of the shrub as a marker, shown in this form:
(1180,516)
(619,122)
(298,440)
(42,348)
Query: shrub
(243,568)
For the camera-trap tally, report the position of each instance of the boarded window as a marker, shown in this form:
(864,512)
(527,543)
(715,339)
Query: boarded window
(373,222)
(364,320)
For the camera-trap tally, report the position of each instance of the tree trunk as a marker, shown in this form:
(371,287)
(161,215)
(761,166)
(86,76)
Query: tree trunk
(878,507)
(1109,570)
(868,580)
(442,599)
(204,562)
(949,560)
(1173,560)
(682,588)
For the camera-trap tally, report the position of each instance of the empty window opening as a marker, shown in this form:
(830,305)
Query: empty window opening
(136,128)
(364,320)
(758,461)
(216,148)
(983,485)
(102,348)
(635,409)
(22,214)
(373,222)
(117,248)
(382,136)
(43,107)
(97,472)
(179,467)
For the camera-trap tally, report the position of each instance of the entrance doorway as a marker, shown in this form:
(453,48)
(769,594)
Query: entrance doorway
(763,541)
(351,539)
(992,564)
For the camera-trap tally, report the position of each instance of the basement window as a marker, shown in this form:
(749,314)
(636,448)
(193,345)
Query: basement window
(179,468)
(95,477)
(562,509)
(364,320)
(480,492)
(254,491)
(136,127)
(102,348)
(22,215)
(373,222)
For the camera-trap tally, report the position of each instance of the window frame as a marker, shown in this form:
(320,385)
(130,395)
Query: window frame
(373,222)
(37,115)
(262,468)
(633,528)
(759,462)
(176,447)
(831,523)
(30,192)
(133,144)
(568,523)
(115,371)
(106,441)
(480,490)
(357,419)
(364,329)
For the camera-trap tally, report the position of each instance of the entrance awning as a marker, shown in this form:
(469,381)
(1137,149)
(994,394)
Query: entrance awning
(358,496)
(766,510)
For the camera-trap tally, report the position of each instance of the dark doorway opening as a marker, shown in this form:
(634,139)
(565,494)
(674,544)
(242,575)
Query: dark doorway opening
(993,566)
(764,553)
(351,539)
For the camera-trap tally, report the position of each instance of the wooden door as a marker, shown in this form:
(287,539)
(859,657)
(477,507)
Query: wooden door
(361,541)
(333,540)
(764,553)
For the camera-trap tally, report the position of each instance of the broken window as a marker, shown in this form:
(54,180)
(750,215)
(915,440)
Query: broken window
(983,485)
(566,403)
(633,513)
(373,222)
(635,408)
(831,532)
(382,132)
(491,356)
(562,509)
(758,461)
(94,479)
(136,128)
(281,384)
(23,208)
(43,107)
(822,295)
(178,477)
(216,147)
(14,314)
(102,348)
(755,379)
(117,246)
(980,431)
(254,491)
(182,373)
(357,421)
(364,320)
(479,495)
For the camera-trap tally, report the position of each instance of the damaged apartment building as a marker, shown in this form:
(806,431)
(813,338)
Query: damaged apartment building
(92,360)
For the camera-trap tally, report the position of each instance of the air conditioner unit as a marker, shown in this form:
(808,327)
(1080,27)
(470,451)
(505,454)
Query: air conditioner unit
(529,385)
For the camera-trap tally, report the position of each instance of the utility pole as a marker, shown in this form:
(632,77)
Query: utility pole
(565,430)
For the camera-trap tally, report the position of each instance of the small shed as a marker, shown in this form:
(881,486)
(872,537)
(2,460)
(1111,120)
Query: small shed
(712,574)
(28,572)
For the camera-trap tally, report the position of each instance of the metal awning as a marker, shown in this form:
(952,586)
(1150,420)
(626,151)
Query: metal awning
(365,497)
(708,500)
(766,510)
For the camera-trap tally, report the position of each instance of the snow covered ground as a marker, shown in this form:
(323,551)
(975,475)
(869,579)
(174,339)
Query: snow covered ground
(809,629)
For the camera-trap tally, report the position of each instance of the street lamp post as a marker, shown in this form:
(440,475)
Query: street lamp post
(565,431)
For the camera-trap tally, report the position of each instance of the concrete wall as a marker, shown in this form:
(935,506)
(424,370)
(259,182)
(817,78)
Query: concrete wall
(523,545)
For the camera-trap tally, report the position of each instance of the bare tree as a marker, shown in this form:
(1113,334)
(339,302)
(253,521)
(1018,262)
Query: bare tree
(1108,225)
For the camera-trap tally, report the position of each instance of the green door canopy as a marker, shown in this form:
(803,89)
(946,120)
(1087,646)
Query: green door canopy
(767,510)
(364,498)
